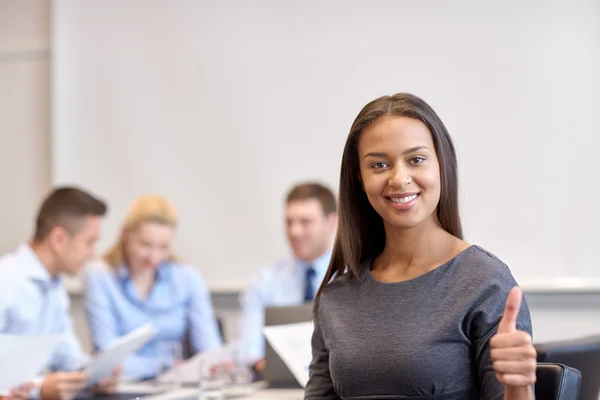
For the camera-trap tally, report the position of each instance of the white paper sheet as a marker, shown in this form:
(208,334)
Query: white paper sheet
(24,358)
(189,371)
(113,355)
(292,344)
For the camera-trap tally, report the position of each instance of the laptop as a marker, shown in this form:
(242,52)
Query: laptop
(277,374)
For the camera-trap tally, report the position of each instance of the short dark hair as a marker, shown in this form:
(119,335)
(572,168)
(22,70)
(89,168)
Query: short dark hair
(361,234)
(313,190)
(66,207)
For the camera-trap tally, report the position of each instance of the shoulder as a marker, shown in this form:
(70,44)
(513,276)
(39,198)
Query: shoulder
(342,289)
(185,276)
(341,285)
(10,286)
(99,278)
(478,276)
(8,264)
(477,265)
(184,271)
(11,272)
(268,279)
(338,298)
(484,282)
(10,261)
(270,274)
(98,270)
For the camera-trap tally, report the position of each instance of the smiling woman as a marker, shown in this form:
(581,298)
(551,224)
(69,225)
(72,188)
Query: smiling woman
(441,316)
(141,280)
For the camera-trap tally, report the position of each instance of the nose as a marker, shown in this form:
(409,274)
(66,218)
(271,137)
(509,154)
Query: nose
(400,176)
(294,230)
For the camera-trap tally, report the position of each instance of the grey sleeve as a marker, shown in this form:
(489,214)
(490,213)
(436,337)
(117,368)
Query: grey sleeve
(319,385)
(485,317)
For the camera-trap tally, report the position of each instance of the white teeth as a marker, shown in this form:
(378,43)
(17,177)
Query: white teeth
(403,199)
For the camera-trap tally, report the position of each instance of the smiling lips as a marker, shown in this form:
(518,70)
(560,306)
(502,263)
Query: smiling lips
(403,201)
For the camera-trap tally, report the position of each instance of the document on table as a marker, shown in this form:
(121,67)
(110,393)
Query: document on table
(189,371)
(24,358)
(292,344)
(113,355)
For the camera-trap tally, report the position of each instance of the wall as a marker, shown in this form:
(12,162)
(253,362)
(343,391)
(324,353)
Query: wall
(222,105)
(24,115)
(25,138)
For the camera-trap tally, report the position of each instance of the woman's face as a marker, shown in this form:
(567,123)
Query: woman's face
(399,170)
(148,245)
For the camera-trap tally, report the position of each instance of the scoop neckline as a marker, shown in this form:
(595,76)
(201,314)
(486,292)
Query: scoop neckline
(427,274)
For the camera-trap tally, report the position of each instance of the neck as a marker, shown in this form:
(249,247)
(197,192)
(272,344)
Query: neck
(406,248)
(315,258)
(142,274)
(143,280)
(46,256)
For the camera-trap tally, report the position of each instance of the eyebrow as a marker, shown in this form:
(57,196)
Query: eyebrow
(407,151)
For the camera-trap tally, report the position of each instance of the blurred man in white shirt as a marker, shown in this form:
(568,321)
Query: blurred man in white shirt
(33,300)
(311,222)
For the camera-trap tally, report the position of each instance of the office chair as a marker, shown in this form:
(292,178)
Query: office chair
(582,354)
(188,350)
(557,382)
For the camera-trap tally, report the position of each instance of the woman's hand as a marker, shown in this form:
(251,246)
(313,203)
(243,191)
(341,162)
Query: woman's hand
(109,385)
(515,358)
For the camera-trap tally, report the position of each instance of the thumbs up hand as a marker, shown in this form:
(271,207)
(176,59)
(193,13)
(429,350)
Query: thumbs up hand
(515,358)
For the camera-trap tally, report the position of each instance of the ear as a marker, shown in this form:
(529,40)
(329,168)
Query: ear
(58,237)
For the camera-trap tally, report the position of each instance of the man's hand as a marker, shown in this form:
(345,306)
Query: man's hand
(19,393)
(62,385)
(109,385)
(259,367)
(515,358)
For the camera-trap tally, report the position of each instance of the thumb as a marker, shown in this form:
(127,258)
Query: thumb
(508,323)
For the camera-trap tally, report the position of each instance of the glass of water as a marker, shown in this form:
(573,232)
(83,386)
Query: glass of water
(170,356)
(239,372)
(212,377)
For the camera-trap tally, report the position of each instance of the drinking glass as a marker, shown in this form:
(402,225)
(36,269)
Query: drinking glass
(170,356)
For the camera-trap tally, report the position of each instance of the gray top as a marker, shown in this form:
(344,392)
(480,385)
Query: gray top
(426,338)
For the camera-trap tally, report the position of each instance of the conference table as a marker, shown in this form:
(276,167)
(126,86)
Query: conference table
(256,391)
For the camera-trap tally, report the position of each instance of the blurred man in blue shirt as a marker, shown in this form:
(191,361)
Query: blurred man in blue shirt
(311,222)
(33,300)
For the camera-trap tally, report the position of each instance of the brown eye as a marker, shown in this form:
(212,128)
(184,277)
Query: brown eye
(379,165)
(417,160)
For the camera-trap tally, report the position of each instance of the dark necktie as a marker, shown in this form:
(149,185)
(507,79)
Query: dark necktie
(309,292)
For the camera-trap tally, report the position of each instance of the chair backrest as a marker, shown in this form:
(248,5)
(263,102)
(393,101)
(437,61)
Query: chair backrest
(582,354)
(188,349)
(557,382)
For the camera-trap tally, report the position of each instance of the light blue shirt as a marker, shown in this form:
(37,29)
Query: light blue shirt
(178,304)
(34,303)
(282,284)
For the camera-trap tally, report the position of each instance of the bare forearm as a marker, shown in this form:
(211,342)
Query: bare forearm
(521,393)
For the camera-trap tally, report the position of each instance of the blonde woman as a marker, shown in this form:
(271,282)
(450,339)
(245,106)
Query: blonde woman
(140,280)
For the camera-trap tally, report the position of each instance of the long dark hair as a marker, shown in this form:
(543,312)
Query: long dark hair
(360,233)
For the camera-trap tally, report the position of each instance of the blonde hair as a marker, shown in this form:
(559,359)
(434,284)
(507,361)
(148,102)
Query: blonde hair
(147,208)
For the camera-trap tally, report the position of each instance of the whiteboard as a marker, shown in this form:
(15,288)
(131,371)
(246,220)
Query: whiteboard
(222,106)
